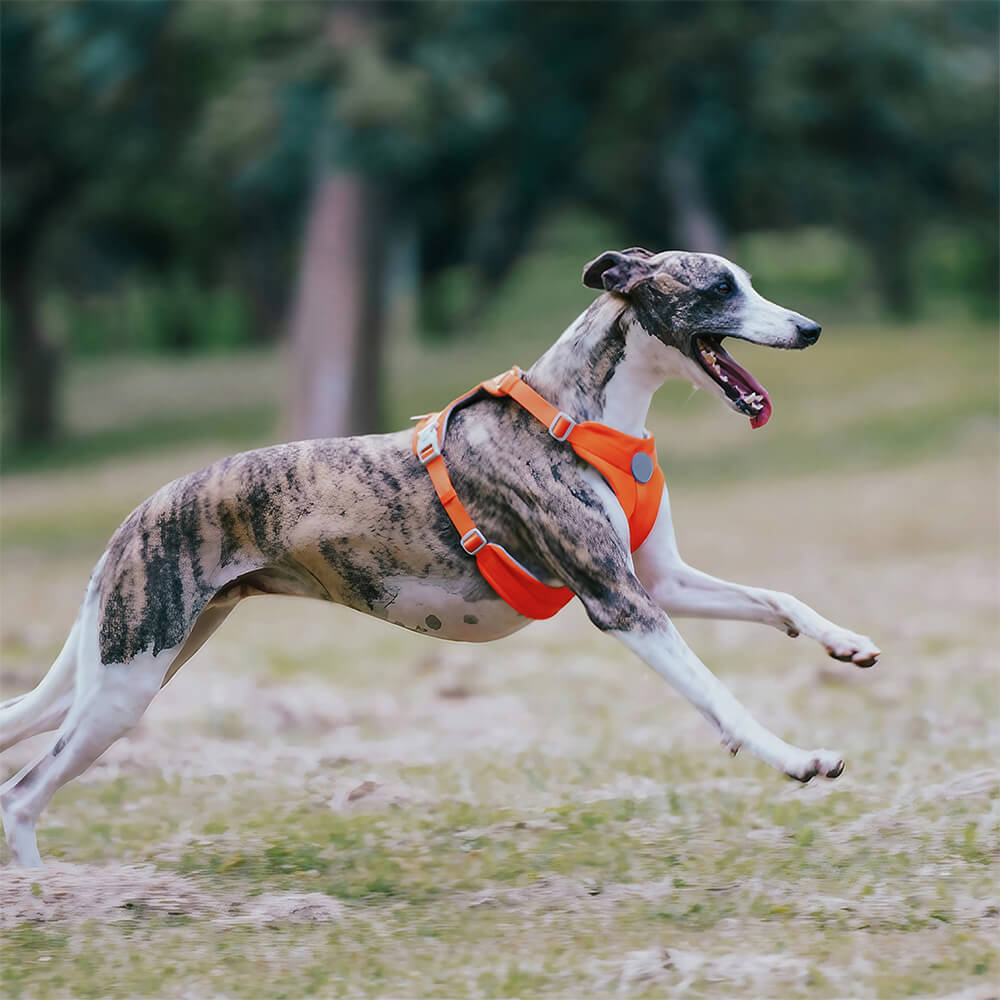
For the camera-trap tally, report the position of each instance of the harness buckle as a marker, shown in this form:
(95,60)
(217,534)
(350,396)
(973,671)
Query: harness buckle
(428,445)
(505,381)
(564,421)
(473,536)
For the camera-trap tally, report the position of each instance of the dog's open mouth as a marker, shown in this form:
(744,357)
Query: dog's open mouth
(742,390)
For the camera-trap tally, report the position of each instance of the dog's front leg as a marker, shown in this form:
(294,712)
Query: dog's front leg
(688,593)
(633,618)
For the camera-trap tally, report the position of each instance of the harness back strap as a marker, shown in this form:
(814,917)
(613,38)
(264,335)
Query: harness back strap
(627,463)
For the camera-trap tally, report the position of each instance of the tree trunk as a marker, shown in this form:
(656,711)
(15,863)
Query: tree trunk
(895,277)
(695,222)
(34,359)
(338,317)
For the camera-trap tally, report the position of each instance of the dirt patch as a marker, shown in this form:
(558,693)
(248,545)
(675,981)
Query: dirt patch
(675,970)
(288,907)
(374,793)
(973,784)
(557,893)
(549,892)
(74,894)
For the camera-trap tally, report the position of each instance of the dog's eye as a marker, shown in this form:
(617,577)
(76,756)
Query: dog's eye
(724,287)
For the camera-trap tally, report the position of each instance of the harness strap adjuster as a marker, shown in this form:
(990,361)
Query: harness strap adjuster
(562,426)
(473,537)
(428,445)
(505,382)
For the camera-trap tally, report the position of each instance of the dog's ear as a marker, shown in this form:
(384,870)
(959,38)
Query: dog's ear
(618,271)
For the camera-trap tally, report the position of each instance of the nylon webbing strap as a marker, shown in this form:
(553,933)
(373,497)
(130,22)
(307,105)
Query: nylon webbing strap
(430,455)
(511,383)
(608,450)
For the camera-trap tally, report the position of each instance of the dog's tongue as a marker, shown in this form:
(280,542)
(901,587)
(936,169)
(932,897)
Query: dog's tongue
(764,415)
(747,385)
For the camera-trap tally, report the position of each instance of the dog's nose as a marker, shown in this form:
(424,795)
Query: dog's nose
(808,332)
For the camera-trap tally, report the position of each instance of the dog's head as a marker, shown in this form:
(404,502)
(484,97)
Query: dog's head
(692,301)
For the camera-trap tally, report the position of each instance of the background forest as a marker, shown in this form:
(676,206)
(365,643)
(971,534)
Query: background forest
(190,178)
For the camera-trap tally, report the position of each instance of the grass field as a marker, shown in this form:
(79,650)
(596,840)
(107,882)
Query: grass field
(319,804)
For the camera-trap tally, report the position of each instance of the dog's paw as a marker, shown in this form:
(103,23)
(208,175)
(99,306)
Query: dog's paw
(822,763)
(849,647)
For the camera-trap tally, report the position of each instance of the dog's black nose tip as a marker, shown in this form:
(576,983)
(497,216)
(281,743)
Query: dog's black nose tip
(809,332)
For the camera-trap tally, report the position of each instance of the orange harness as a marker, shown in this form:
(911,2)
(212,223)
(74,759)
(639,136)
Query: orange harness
(627,463)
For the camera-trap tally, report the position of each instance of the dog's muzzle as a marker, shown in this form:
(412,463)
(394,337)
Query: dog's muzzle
(744,392)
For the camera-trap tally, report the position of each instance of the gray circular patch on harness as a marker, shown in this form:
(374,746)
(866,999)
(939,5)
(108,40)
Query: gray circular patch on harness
(642,467)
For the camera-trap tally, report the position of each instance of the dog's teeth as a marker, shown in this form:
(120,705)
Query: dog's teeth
(722,378)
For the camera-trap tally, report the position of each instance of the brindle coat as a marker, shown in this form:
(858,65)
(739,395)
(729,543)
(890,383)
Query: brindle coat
(356,521)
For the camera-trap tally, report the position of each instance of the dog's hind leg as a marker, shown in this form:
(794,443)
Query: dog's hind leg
(43,707)
(109,699)
(101,712)
(51,718)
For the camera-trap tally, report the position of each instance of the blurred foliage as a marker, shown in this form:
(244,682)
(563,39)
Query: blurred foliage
(172,315)
(159,156)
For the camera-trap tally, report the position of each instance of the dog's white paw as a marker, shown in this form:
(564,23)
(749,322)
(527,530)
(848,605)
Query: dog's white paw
(20,832)
(851,648)
(813,763)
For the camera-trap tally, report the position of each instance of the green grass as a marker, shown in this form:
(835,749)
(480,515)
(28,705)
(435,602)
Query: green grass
(557,898)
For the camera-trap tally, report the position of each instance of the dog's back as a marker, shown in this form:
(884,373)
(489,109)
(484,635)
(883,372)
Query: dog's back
(349,520)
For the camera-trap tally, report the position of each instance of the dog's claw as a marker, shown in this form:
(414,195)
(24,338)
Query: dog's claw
(851,648)
(818,767)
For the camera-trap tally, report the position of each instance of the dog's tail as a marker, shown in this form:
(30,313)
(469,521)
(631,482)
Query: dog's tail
(24,715)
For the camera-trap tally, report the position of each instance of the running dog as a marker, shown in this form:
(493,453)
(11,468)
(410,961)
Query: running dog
(359,522)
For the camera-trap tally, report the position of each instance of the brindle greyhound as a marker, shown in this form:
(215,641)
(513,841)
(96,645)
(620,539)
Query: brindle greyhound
(356,521)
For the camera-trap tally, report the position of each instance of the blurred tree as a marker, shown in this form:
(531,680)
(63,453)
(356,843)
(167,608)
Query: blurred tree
(337,317)
(877,118)
(198,142)
(98,101)
(686,123)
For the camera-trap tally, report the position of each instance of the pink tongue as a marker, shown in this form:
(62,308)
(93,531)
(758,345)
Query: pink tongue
(746,382)
(764,415)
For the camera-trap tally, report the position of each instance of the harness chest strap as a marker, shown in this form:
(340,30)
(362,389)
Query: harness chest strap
(627,463)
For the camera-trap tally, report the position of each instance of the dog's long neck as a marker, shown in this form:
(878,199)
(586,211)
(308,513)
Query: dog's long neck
(603,368)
